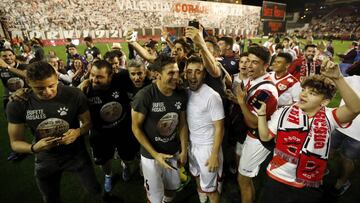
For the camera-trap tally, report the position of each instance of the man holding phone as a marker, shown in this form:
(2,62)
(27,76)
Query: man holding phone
(259,87)
(205,116)
(53,113)
(159,124)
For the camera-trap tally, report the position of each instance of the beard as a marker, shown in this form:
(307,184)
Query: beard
(97,86)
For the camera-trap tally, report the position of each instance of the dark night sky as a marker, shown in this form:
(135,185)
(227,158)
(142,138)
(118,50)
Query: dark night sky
(292,5)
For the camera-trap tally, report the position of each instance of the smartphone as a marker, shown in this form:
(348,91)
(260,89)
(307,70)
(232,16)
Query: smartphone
(133,37)
(263,96)
(194,23)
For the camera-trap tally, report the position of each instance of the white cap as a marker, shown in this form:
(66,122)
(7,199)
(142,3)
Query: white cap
(116,46)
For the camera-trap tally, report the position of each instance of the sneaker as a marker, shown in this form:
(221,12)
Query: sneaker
(126,173)
(343,188)
(107,183)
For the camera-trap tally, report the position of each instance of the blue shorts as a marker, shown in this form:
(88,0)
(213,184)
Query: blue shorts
(348,146)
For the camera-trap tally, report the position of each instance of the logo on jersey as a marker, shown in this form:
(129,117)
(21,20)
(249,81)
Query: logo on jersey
(158,107)
(35,114)
(63,111)
(282,87)
(115,95)
(111,111)
(167,125)
(290,80)
(178,105)
(232,63)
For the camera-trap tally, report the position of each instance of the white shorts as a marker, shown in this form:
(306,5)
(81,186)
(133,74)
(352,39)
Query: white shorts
(253,154)
(238,149)
(198,155)
(157,179)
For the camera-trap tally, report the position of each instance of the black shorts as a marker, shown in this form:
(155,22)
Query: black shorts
(104,143)
(274,191)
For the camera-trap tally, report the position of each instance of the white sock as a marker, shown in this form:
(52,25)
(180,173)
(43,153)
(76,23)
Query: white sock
(167,199)
(202,197)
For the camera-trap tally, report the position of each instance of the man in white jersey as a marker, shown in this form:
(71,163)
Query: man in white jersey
(205,116)
(254,151)
(287,85)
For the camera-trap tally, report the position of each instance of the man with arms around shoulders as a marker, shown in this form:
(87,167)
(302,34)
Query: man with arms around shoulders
(159,124)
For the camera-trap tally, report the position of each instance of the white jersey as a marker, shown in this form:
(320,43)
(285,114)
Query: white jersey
(269,88)
(353,130)
(288,87)
(204,107)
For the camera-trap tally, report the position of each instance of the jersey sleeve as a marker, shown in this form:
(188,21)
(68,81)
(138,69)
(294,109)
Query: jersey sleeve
(295,92)
(333,119)
(273,122)
(216,107)
(15,112)
(82,103)
(141,102)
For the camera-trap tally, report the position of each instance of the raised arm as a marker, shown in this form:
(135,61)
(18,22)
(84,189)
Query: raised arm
(250,119)
(263,128)
(210,62)
(351,109)
(139,49)
(21,73)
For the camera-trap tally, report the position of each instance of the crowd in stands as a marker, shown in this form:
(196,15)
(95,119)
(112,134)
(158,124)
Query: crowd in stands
(332,22)
(55,15)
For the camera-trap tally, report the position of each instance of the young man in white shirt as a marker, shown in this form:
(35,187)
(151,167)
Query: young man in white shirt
(287,85)
(205,116)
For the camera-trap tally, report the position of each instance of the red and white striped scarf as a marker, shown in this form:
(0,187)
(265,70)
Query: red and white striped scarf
(304,144)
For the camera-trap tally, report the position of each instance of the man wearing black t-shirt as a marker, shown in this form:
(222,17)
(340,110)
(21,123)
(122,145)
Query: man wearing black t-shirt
(12,76)
(91,50)
(158,120)
(110,113)
(53,113)
(137,75)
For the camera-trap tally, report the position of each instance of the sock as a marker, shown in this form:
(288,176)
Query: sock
(202,197)
(167,199)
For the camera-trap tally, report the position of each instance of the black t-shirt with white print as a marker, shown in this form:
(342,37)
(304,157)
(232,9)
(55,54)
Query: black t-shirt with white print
(52,117)
(128,85)
(109,108)
(11,81)
(162,116)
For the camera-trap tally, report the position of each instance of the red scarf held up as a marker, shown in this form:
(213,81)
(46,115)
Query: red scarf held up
(305,144)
